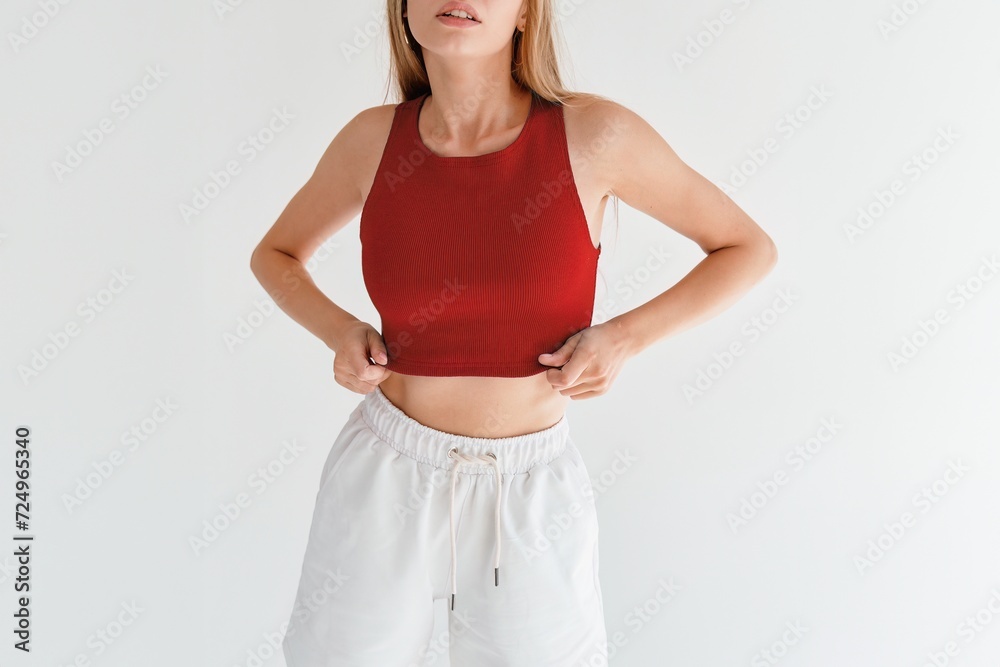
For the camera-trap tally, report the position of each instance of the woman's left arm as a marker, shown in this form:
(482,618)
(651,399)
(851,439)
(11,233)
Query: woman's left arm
(642,170)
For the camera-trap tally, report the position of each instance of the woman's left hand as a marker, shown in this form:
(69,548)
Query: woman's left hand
(590,359)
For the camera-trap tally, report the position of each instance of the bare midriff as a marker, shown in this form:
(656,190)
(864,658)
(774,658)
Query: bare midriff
(482,407)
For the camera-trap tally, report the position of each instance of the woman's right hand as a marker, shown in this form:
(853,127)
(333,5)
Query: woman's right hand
(357,344)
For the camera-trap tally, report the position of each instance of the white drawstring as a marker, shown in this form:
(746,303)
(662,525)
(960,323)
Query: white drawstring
(466,458)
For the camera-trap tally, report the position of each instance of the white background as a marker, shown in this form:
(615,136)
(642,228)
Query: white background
(826,357)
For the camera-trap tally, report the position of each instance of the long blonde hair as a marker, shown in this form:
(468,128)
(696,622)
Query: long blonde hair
(534,58)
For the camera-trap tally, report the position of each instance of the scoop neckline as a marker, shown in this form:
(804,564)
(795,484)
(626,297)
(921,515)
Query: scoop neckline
(459,160)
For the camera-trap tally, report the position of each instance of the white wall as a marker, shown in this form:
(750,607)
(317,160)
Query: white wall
(824,359)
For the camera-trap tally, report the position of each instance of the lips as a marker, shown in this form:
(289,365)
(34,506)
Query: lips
(453,6)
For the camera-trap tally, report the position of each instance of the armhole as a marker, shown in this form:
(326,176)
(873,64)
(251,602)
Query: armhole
(575,194)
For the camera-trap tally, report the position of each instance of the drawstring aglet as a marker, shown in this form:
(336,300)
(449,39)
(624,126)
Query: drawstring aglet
(453,602)
(496,576)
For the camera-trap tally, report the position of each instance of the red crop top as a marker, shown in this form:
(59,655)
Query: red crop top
(477,264)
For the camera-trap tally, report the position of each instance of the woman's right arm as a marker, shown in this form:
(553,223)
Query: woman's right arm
(330,199)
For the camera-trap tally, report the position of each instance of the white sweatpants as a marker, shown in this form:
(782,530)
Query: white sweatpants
(380,549)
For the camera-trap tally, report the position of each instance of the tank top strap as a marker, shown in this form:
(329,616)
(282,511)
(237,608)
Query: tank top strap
(403,130)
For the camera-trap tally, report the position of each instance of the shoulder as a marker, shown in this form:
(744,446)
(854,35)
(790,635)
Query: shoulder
(367,127)
(602,123)
(612,139)
(594,118)
(357,148)
(602,134)
(591,107)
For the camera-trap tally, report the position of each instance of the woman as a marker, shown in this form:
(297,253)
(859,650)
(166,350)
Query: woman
(481,198)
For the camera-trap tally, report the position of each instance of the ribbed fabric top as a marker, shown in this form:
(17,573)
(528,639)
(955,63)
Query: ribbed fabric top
(477,264)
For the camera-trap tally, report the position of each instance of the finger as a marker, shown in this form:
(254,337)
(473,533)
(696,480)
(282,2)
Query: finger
(355,367)
(366,388)
(560,356)
(361,387)
(358,385)
(582,388)
(376,348)
(585,395)
(371,373)
(569,374)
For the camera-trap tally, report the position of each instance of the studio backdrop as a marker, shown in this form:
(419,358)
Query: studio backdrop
(811,478)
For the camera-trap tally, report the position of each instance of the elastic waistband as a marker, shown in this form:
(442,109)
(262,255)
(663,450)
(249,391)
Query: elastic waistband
(406,435)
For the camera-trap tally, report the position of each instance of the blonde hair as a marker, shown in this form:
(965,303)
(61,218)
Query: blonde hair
(534,59)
